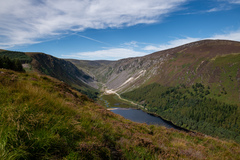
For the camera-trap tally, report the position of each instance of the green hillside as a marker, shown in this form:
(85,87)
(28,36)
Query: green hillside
(64,71)
(52,66)
(213,63)
(221,73)
(43,118)
(192,108)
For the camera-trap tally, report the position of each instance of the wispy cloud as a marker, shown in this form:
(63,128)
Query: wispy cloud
(110,54)
(131,44)
(170,44)
(135,49)
(224,5)
(233,35)
(93,39)
(28,21)
(219,8)
(234,1)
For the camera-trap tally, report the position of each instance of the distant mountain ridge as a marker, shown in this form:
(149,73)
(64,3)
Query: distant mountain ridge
(176,82)
(62,70)
(211,62)
(58,68)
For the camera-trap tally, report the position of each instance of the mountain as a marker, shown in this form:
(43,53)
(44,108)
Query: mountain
(63,71)
(44,118)
(214,63)
(58,68)
(195,86)
(94,68)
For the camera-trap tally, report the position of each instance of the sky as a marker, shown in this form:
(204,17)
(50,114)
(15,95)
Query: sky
(113,29)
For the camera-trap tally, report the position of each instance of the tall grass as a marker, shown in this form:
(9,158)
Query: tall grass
(42,118)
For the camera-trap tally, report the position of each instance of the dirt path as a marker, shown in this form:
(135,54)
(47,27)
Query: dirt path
(107,92)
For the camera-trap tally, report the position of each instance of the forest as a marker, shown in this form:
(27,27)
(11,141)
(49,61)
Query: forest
(21,56)
(14,64)
(190,108)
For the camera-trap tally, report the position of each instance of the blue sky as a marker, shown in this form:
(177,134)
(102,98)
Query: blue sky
(113,29)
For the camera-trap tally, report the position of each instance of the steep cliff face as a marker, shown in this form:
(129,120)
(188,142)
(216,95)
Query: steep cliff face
(62,70)
(96,69)
(210,62)
(120,75)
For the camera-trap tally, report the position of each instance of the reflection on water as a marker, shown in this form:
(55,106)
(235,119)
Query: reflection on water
(140,116)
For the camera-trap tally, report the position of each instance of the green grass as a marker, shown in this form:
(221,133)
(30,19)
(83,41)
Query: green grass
(191,108)
(113,100)
(43,118)
(228,58)
(229,65)
(186,65)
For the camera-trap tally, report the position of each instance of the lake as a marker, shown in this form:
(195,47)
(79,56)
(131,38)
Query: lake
(140,116)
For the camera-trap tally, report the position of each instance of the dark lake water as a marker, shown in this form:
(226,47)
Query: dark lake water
(142,117)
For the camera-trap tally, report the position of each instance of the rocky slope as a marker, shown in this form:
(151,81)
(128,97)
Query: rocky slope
(64,71)
(211,62)
(95,69)
(58,68)
(196,86)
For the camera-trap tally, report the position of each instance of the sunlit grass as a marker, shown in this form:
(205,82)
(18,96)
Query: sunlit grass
(42,118)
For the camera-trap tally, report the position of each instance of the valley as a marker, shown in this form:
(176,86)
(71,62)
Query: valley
(132,111)
(110,92)
(195,86)
(213,64)
(141,117)
(120,80)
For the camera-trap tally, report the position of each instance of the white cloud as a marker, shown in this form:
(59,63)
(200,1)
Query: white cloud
(234,35)
(219,8)
(131,44)
(234,1)
(119,53)
(170,44)
(29,21)
(110,54)
(224,6)
(214,10)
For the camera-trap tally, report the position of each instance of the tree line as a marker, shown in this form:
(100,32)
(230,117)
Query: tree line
(21,56)
(191,108)
(14,64)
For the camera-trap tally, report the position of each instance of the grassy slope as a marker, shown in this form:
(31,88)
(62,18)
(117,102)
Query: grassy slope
(42,118)
(188,64)
(58,68)
(113,100)
(191,108)
(221,73)
(212,64)
(229,78)
(64,71)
